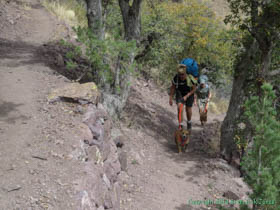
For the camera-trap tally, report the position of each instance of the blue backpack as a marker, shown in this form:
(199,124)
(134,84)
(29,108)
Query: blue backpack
(192,67)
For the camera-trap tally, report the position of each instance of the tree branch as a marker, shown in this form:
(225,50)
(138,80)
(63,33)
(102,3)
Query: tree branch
(147,42)
(124,5)
(254,13)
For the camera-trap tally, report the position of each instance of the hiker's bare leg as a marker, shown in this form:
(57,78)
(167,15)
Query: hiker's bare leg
(189,113)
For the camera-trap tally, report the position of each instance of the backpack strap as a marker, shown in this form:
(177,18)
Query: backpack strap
(177,84)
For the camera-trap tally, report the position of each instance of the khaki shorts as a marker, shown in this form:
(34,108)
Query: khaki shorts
(201,103)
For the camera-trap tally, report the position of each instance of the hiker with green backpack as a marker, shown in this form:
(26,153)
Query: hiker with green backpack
(184,85)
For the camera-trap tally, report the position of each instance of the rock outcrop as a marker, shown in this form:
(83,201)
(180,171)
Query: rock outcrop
(99,188)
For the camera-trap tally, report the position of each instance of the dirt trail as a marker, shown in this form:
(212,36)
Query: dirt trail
(35,172)
(36,138)
(158,177)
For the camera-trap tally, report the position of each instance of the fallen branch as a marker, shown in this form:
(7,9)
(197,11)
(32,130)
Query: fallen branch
(41,158)
(15,189)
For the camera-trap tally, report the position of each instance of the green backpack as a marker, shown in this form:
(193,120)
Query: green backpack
(191,80)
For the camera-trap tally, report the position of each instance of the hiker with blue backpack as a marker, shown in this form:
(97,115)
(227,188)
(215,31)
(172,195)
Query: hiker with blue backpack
(184,85)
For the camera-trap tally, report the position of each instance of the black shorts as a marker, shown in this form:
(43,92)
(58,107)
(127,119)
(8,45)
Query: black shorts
(188,102)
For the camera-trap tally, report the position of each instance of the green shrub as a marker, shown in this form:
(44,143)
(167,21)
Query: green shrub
(262,164)
(186,30)
(105,55)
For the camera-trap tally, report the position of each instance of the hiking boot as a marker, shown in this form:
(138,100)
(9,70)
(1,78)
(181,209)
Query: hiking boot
(189,125)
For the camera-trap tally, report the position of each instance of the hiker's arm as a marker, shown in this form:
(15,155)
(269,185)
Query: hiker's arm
(207,103)
(195,99)
(209,96)
(172,91)
(190,93)
(208,99)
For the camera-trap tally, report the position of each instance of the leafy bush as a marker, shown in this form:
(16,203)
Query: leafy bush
(187,30)
(262,164)
(105,55)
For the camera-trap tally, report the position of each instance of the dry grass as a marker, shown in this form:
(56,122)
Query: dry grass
(220,7)
(26,6)
(70,11)
(218,105)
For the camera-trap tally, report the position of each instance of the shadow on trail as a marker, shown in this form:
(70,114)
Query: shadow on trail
(6,108)
(15,49)
(22,53)
(156,121)
(52,55)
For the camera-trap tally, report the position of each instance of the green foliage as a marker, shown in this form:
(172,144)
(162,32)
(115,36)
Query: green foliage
(71,65)
(72,55)
(105,55)
(262,164)
(248,14)
(259,19)
(114,22)
(186,30)
(276,58)
(220,207)
(244,207)
(134,162)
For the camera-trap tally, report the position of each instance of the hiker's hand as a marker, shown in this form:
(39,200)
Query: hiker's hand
(185,97)
(170,101)
(206,107)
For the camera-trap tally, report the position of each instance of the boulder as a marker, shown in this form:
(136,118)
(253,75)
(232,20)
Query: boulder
(75,92)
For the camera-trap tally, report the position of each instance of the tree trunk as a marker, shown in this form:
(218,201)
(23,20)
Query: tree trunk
(244,70)
(95,17)
(131,19)
(177,1)
(266,61)
(240,83)
(115,99)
